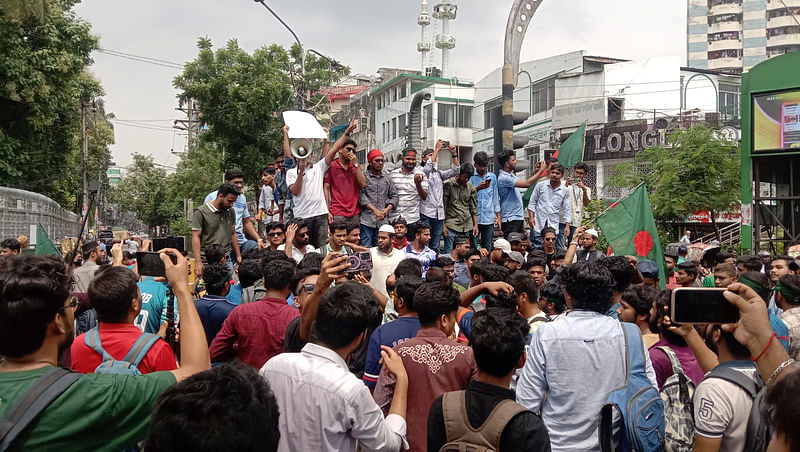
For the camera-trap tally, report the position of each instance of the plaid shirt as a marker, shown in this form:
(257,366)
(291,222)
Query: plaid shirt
(380,192)
(791,318)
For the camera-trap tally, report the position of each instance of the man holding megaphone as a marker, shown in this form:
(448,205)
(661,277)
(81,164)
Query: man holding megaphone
(306,183)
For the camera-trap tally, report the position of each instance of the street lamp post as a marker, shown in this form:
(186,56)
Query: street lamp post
(302,94)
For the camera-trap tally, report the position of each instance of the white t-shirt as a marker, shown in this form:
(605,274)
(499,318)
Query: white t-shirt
(266,202)
(297,255)
(576,202)
(133,246)
(311,200)
(382,266)
(721,410)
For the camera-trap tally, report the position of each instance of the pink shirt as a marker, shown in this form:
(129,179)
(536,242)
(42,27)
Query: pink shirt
(663,368)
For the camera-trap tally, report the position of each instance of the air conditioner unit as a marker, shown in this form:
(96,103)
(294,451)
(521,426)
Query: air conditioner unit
(363,124)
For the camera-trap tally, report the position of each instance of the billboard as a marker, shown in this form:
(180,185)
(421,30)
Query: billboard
(776,121)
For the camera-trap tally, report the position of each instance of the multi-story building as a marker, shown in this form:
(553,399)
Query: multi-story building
(447,115)
(626,105)
(735,35)
(114,175)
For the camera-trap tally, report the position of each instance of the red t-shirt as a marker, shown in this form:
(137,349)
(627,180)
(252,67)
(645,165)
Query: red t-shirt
(117,339)
(344,189)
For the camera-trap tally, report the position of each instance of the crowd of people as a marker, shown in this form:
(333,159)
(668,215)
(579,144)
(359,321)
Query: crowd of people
(360,309)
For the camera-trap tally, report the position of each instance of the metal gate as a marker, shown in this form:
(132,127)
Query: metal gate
(21,211)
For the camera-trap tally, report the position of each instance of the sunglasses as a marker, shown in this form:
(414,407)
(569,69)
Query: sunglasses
(551,239)
(302,234)
(73,304)
(307,287)
(275,234)
(350,149)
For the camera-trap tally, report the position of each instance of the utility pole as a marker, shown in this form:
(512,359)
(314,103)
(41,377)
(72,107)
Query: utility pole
(85,165)
(191,125)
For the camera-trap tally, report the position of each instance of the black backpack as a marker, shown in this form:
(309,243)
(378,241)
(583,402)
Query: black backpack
(758,427)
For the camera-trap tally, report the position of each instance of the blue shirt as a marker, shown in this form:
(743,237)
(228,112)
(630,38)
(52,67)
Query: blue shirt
(213,310)
(390,335)
(780,329)
(154,305)
(550,206)
(574,363)
(235,294)
(488,199)
(510,198)
(242,212)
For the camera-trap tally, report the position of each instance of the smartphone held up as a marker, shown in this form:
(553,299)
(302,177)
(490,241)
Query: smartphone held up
(150,264)
(702,305)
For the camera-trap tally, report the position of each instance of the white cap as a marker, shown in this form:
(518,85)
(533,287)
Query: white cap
(593,232)
(386,228)
(503,245)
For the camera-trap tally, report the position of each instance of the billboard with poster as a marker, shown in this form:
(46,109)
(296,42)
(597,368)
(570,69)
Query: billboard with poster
(776,121)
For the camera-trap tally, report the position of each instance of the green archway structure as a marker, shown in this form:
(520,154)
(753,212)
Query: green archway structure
(770,155)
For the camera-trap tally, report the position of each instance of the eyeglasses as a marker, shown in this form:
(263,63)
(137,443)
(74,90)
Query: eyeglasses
(302,234)
(275,234)
(307,287)
(550,239)
(73,304)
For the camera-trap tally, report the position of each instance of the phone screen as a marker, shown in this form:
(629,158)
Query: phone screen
(702,305)
(149,263)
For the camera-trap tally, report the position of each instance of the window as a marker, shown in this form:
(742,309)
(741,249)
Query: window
(401,125)
(729,96)
(383,133)
(465,116)
(487,111)
(532,156)
(362,157)
(402,91)
(394,94)
(544,95)
(447,115)
(394,128)
(379,102)
(428,112)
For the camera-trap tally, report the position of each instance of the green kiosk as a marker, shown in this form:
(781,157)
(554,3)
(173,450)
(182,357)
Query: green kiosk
(771,155)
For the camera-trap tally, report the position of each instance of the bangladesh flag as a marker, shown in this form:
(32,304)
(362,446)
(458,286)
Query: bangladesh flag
(43,243)
(571,150)
(630,229)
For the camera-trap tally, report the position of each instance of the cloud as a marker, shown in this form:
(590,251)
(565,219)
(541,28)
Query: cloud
(362,34)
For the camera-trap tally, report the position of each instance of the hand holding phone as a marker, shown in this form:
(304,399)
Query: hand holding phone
(702,305)
(150,263)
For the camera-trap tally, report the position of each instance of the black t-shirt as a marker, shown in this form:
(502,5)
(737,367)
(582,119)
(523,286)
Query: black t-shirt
(292,342)
(525,431)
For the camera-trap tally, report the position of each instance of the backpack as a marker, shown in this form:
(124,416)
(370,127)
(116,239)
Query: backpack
(758,422)
(637,403)
(129,365)
(677,395)
(85,321)
(462,437)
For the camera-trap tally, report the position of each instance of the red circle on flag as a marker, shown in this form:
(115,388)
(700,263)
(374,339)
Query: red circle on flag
(643,242)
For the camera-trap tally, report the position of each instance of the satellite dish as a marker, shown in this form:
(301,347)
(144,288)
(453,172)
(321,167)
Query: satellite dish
(661,123)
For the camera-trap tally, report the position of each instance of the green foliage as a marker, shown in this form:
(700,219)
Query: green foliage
(45,49)
(198,173)
(698,172)
(179,227)
(144,192)
(241,96)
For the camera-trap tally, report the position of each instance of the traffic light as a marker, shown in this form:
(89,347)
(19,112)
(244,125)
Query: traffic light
(505,125)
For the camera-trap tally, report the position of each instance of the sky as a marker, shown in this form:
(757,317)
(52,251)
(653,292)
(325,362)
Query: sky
(363,34)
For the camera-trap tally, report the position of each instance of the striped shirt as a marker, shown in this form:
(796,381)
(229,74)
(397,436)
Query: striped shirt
(408,199)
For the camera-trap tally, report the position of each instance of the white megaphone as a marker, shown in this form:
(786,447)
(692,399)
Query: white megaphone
(301,148)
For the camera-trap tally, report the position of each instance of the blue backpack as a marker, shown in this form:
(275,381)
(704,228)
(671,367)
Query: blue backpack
(637,403)
(129,365)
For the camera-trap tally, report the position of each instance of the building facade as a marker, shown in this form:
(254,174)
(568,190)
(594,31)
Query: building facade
(735,35)
(627,106)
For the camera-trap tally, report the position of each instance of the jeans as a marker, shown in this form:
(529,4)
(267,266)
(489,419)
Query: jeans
(369,236)
(560,239)
(512,226)
(317,230)
(451,238)
(486,233)
(248,245)
(536,239)
(436,231)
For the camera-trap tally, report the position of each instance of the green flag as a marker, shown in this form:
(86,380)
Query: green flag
(630,229)
(43,243)
(571,151)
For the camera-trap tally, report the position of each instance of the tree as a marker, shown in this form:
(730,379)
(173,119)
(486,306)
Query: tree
(144,192)
(699,171)
(241,96)
(45,49)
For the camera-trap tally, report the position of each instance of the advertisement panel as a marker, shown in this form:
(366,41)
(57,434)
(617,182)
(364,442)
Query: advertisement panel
(776,121)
